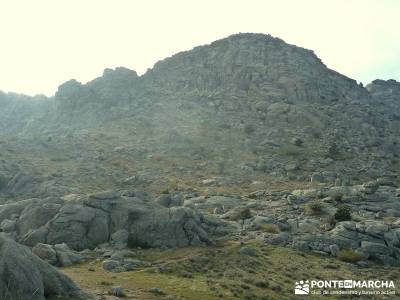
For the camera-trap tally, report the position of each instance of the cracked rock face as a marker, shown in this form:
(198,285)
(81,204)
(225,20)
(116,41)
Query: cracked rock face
(25,276)
(84,223)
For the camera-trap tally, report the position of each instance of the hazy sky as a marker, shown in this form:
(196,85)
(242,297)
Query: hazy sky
(47,42)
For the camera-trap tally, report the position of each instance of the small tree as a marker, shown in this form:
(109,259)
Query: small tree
(245,214)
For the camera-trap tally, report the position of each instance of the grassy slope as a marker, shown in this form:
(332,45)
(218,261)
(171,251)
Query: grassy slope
(222,272)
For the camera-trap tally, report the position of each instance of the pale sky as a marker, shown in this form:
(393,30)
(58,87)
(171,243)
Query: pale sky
(47,42)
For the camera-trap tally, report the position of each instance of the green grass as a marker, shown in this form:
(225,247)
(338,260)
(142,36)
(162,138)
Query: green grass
(210,273)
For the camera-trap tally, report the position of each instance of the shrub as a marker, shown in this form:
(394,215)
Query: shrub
(261,283)
(337,197)
(117,291)
(248,250)
(349,256)
(343,213)
(165,191)
(297,142)
(270,228)
(315,208)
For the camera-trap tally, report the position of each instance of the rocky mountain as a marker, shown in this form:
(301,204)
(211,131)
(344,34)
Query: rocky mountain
(274,107)
(248,140)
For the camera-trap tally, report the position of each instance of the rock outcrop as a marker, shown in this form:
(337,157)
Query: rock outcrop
(59,255)
(115,87)
(372,227)
(259,88)
(375,240)
(86,222)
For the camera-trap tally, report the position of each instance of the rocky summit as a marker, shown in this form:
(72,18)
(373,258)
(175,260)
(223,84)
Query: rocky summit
(228,168)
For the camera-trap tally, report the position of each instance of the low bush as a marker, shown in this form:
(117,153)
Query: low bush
(315,208)
(270,228)
(349,256)
(343,213)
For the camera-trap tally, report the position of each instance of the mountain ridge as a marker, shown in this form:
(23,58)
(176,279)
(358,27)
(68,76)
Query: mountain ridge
(233,36)
(272,106)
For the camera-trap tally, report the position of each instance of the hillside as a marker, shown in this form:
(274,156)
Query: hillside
(247,142)
(247,103)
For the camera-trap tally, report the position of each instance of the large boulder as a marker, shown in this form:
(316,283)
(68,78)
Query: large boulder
(37,214)
(65,256)
(25,276)
(119,239)
(79,226)
(46,253)
(174,227)
(7,225)
(372,248)
(58,255)
(86,222)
